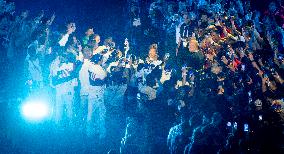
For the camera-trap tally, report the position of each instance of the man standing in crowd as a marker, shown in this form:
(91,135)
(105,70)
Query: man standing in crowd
(186,30)
(84,83)
(92,77)
(96,106)
(33,70)
(64,80)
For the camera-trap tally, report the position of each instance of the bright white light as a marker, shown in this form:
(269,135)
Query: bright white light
(35,111)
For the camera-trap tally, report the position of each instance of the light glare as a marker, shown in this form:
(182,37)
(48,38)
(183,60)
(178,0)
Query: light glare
(35,111)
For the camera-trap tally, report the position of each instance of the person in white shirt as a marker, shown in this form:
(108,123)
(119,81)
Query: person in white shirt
(92,77)
(33,70)
(63,80)
(152,58)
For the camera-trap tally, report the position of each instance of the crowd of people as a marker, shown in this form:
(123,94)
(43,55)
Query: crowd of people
(225,60)
(195,76)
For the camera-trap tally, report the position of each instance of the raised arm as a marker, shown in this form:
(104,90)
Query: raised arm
(70,29)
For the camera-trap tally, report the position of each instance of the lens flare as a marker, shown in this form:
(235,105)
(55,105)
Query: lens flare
(35,111)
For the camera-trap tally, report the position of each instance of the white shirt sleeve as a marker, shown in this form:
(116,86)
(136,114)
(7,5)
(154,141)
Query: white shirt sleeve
(177,33)
(63,40)
(54,67)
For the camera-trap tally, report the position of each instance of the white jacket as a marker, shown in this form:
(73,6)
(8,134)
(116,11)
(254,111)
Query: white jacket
(89,70)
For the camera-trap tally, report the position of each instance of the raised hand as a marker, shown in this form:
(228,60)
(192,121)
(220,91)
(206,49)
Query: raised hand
(250,56)
(90,32)
(50,21)
(71,27)
(38,18)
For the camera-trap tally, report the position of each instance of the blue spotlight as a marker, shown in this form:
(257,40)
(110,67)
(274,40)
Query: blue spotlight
(35,111)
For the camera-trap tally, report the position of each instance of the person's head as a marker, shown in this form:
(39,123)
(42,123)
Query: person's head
(205,120)
(97,38)
(230,48)
(192,16)
(186,18)
(272,7)
(152,14)
(171,8)
(116,55)
(134,9)
(24,14)
(215,36)
(109,42)
(71,27)
(152,54)
(87,53)
(89,32)
(204,18)
(74,39)
(241,52)
(41,39)
(193,45)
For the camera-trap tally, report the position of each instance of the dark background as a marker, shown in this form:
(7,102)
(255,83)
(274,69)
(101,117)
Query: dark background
(107,17)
